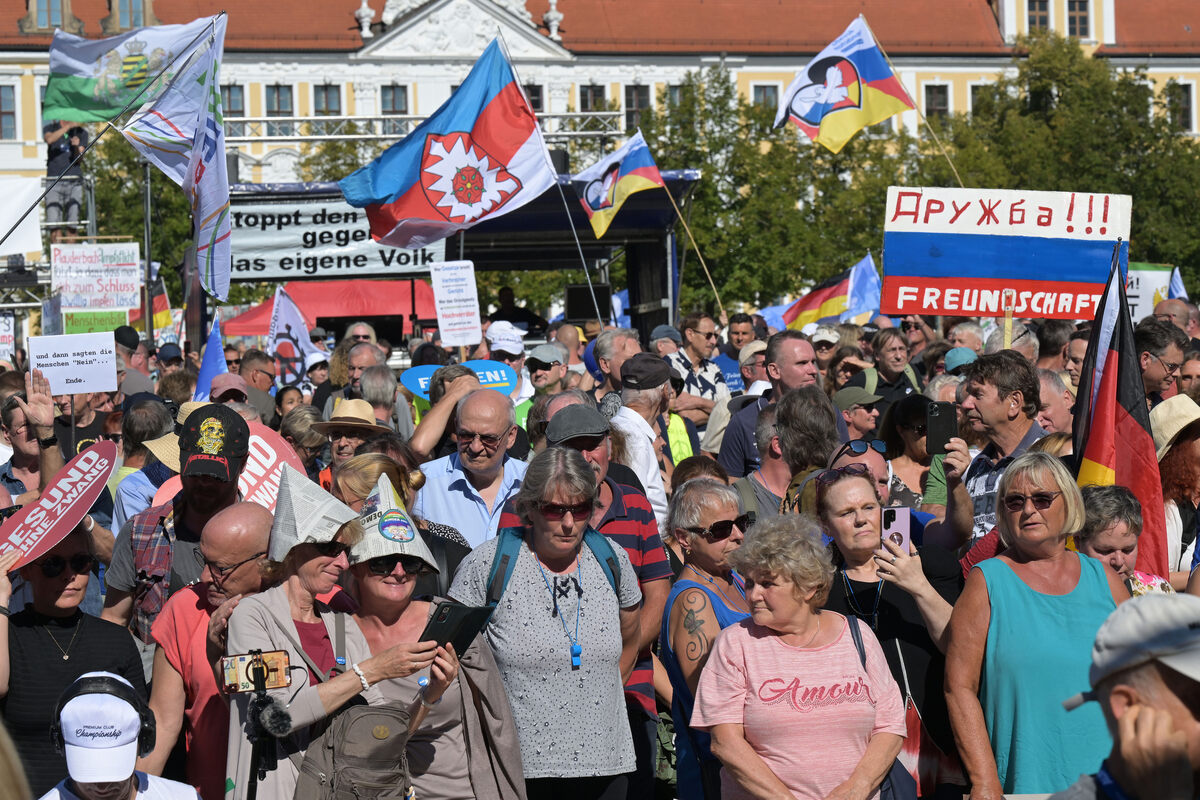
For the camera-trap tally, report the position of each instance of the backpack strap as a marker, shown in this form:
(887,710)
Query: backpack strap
(746,493)
(602,549)
(870,379)
(339,648)
(911,375)
(856,635)
(508,547)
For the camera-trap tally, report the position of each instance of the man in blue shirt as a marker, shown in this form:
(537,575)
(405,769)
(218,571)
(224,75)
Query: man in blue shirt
(467,489)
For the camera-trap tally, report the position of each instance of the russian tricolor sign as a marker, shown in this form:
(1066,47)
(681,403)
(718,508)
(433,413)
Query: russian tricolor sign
(956,251)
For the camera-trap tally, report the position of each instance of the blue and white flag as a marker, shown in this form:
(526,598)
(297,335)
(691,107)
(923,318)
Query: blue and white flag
(1176,289)
(182,134)
(865,290)
(288,339)
(213,363)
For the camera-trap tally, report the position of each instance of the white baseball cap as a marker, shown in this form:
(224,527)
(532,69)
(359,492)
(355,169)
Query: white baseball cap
(1153,627)
(388,529)
(503,335)
(100,735)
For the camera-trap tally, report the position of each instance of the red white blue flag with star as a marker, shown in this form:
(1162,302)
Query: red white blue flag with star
(479,156)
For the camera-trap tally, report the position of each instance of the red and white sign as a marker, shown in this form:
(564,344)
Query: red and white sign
(41,525)
(259,481)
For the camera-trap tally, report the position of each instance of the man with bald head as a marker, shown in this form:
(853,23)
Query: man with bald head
(190,638)
(467,488)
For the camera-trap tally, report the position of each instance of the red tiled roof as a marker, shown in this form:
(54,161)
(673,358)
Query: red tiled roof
(773,26)
(1156,27)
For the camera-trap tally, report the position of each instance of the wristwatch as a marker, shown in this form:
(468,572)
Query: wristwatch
(49,441)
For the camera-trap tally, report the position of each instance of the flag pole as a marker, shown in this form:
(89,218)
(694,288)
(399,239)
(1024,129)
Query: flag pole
(148,301)
(545,152)
(107,127)
(916,108)
(695,247)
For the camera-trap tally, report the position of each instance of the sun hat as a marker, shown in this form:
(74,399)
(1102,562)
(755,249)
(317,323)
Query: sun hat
(1169,418)
(166,448)
(356,414)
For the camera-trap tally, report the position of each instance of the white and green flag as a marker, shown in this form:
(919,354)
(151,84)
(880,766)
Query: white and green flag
(92,80)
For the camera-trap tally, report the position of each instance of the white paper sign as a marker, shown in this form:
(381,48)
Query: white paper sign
(80,362)
(457,302)
(97,277)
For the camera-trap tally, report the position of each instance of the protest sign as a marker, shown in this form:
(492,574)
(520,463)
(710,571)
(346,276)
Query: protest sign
(39,526)
(491,375)
(93,321)
(731,371)
(1147,286)
(292,240)
(955,251)
(457,302)
(83,362)
(8,335)
(97,276)
(259,481)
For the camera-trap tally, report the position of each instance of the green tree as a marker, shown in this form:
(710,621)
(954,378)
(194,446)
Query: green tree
(334,159)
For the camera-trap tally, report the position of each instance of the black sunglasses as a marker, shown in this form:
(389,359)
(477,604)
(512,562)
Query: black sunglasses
(79,563)
(556,511)
(723,528)
(859,447)
(331,549)
(386,565)
(1041,501)
(232,361)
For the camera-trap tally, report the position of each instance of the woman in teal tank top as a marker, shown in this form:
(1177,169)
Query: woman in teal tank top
(1021,641)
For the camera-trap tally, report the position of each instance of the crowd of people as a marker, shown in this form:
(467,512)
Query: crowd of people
(724,561)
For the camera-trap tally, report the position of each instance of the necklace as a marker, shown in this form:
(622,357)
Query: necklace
(576,646)
(728,601)
(871,620)
(813,638)
(66,654)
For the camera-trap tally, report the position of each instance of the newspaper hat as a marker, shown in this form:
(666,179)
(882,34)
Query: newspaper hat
(388,529)
(304,512)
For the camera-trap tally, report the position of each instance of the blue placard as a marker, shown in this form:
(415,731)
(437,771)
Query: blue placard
(733,375)
(491,374)
(416,379)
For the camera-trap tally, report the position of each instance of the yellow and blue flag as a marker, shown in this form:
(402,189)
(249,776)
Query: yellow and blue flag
(848,86)
(603,187)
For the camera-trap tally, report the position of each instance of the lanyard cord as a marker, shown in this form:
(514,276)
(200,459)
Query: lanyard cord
(576,647)
(872,620)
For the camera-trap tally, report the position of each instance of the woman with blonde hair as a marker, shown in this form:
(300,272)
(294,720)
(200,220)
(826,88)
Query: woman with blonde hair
(1032,610)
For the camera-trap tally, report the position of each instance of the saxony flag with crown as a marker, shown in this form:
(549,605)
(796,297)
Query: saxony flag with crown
(848,86)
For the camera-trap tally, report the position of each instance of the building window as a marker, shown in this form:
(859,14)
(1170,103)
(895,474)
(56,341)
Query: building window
(1039,14)
(674,94)
(637,100)
(536,99)
(233,104)
(937,100)
(49,13)
(765,95)
(129,13)
(1077,18)
(591,98)
(327,100)
(279,104)
(393,100)
(1179,106)
(8,113)
(881,128)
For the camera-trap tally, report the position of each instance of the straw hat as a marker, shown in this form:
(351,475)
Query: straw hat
(166,448)
(352,414)
(1169,418)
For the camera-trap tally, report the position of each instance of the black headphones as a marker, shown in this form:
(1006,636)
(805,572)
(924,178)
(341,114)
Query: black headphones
(102,684)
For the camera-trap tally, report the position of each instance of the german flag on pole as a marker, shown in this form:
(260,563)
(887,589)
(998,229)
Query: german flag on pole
(1112,423)
(826,301)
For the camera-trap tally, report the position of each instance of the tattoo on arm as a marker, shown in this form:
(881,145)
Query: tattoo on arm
(698,642)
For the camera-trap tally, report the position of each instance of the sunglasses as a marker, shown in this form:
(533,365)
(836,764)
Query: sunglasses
(331,549)
(233,361)
(79,563)
(540,366)
(827,476)
(859,447)
(111,437)
(361,337)
(386,565)
(556,511)
(488,440)
(1041,500)
(221,573)
(918,428)
(723,528)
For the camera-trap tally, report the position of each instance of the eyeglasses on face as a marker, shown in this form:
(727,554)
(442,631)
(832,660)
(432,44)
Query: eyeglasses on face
(53,566)
(705,334)
(233,362)
(1170,366)
(723,528)
(828,476)
(221,573)
(1041,500)
(331,549)
(111,437)
(556,511)
(918,428)
(386,565)
(361,337)
(270,375)
(488,440)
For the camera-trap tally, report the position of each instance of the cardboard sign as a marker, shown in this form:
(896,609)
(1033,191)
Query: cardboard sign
(491,374)
(457,302)
(97,276)
(93,321)
(955,251)
(39,526)
(259,481)
(82,362)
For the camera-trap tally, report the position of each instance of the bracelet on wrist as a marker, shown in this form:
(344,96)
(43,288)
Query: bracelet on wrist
(425,702)
(4,610)
(361,677)
(90,523)
(48,442)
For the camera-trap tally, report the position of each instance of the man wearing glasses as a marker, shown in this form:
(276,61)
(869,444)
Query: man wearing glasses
(857,407)
(153,557)
(233,359)
(1160,347)
(185,695)
(703,382)
(467,489)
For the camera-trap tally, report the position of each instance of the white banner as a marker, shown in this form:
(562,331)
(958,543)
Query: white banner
(19,194)
(83,362)
(288,339)
(457,302)
(97,277)
(316,239)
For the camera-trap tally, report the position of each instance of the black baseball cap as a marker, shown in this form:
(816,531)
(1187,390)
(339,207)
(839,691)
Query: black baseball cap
(213,438)
(645,371)
(127,337)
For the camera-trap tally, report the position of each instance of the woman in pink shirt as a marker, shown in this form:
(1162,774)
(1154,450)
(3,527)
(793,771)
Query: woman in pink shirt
(790,707)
